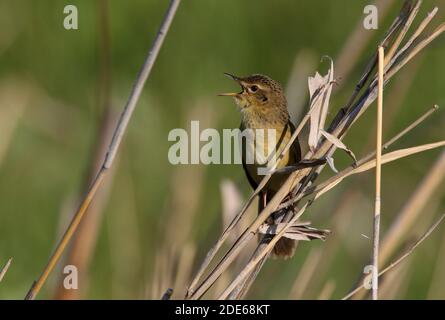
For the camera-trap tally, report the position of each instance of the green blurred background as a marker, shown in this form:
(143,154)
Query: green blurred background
(56,84)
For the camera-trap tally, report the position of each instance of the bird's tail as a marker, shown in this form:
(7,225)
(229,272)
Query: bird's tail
(299,231)
(284,248)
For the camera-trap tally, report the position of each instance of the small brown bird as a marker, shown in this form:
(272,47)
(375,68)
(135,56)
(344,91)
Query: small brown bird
(263,106)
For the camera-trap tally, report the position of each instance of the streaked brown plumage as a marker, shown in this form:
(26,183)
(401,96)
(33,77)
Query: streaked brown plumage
(263,106)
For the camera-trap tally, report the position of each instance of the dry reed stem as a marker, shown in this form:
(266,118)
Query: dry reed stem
(378,178)
(251,265)
(403,257)
(5,269)
(409,20)
(112,149)
(394,284)
(412,209)
(405,56)
(413,37)
(84,242)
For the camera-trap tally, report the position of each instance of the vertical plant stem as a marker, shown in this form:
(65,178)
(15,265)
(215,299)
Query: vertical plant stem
(112,149)
(378,178)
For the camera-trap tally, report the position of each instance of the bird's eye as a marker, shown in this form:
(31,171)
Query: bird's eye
(253,88)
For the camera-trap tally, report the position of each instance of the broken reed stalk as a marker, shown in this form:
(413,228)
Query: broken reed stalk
(112,149)
(403,257)
(301,180)
(378,179)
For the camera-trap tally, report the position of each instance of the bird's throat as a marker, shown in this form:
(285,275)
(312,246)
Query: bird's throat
(264,117)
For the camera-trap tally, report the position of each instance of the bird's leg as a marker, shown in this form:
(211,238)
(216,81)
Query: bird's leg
(262,205)
(309,163)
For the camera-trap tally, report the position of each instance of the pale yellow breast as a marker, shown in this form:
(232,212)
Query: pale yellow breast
(262,142)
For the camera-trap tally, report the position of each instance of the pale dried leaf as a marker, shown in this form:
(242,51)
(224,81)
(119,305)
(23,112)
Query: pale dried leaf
(398,154)
(339,144)
(330,162)
(301,231)
(327,94)
(316,85)
(320,88)
(314,125)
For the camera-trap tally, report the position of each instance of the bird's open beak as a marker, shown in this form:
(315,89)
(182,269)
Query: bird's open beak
(231,76)
(228,94)
(232,94)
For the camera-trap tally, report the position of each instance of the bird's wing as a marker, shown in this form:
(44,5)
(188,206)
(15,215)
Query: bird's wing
(295,148)
(252,182)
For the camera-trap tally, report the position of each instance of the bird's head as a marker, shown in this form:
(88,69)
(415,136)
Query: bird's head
(258,91)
